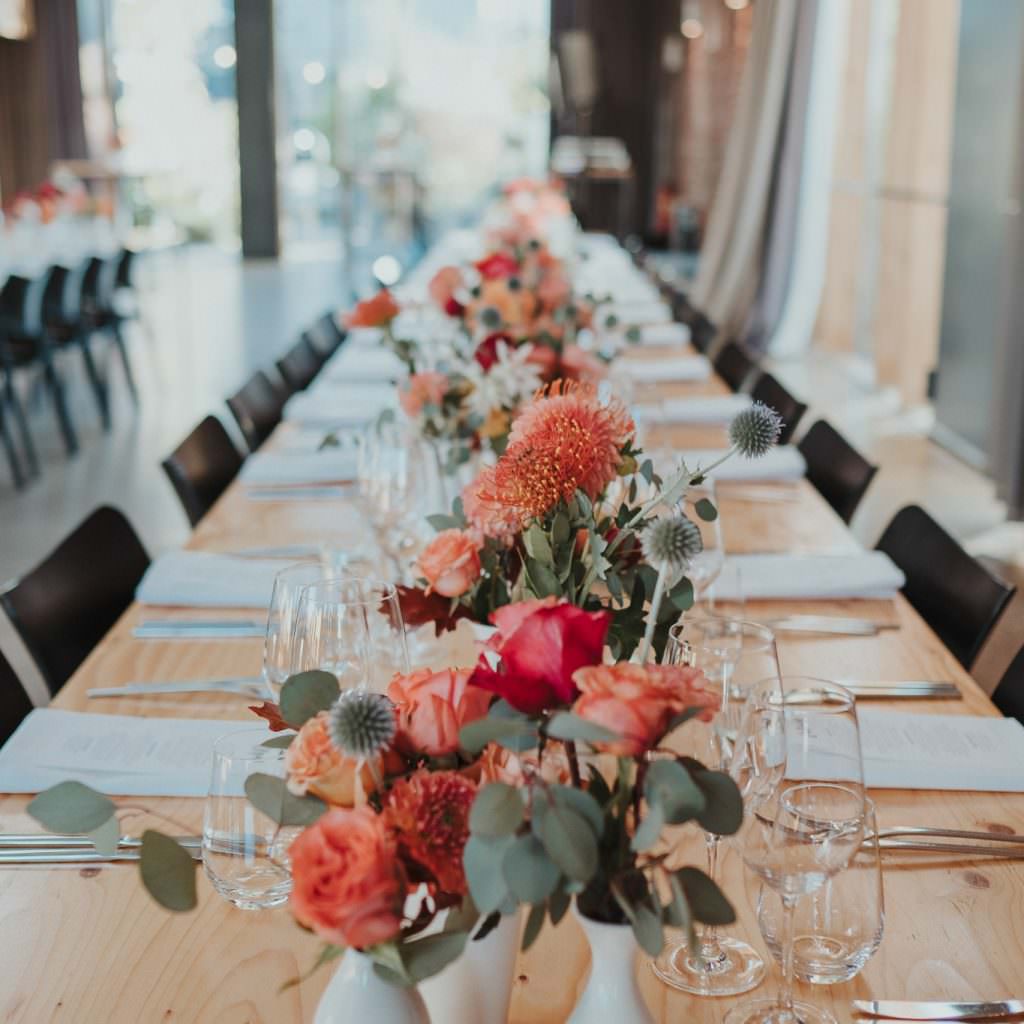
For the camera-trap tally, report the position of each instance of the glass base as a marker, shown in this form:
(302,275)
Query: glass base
(739,969)
(768,1011)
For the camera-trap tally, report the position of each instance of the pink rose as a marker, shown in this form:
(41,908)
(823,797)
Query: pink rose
(377,311)
(427,388)
(433,707)
(443,286)
(450,563)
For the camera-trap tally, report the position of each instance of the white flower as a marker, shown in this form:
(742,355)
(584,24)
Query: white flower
(506,384)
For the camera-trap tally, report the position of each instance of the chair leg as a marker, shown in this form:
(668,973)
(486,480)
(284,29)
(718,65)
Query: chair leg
(18,412)
(122,348)
(60,404)
(99,389)
(10,451)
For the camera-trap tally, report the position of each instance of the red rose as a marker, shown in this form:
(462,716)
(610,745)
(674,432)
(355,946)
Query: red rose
(454,308)
(486,353)
(497,265)
(541,644)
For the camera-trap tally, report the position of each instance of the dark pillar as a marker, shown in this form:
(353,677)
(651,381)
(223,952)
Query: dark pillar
(254,76)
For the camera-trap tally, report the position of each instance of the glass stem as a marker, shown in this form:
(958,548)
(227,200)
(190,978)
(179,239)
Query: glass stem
(786,992)
(710,950)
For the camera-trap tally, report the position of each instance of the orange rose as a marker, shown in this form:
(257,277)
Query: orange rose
(444,284)
(639,701)
(450,563)
(377,311)
(347,882)
(426,388)
(498,764)
(515,306)
(433,707)
(315,765)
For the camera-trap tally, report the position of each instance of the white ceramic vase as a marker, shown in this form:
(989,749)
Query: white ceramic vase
(612,992)
(357,993)
(476,988)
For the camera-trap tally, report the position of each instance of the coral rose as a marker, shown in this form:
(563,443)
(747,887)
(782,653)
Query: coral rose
(377,311)
(639,701)
(315,765)
(541,644)
(444,284)
(348,884)
(426,388)
(433,707)
(450,563)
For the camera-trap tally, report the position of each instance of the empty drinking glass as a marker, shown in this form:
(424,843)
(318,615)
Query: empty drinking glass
(352,628)
(245,853)
(705,567)
(837,929)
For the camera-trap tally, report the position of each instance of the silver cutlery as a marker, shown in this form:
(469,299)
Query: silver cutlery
(295,551)
(298,493)
(54,840)
(837,625)
(198,629)
(878,689)
(249,686)
(896,1009)
(971,844)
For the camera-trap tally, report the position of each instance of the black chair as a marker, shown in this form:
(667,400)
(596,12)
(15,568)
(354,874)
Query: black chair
(23,346)
(1008,696)
(839,472)
(67,603)
(258,408)
(99,314)
(14,701)
(775,396)
(300,364)
(326,336)
(953,592)
(202,466)
(734,365)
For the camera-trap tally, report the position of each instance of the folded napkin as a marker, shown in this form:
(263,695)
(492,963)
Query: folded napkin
(121,755)
(201,579)
(654,371)
(337,407)
(364,364)
(664,334)
(635,314)
(717,409)
(869,574)
(332,465)
(785,463)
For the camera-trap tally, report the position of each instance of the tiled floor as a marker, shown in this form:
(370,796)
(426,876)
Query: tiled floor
(211,320)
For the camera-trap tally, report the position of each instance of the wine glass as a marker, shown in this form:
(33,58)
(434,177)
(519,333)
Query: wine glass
(705,567)
(352,628)
(734,655)
(804,830)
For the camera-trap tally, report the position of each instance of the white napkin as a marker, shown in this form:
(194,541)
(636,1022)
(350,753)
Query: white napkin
(332,465)
(784,463)
(337,407)
(635,314)
(201,579)
(363,364)
(664,334)
(868,574)
(121,755)
(717,409)
(678,368)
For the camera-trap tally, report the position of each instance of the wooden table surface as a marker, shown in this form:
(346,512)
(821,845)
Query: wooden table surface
(88,946)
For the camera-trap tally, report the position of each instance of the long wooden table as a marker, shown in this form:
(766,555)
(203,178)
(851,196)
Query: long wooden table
(86,945)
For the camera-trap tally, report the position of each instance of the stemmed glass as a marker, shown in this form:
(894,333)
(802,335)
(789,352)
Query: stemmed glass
(734,656)
(804,830)
(352,628)
(705,567)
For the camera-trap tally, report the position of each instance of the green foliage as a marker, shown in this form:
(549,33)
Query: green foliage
(706,510)
(305,694)
(483,860)
(530,874)
(71,807)
(496,811)
(269,795)
(503,725)
(168,871)
(564,725)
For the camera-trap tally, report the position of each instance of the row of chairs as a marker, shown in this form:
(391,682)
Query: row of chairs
(63,310)
(203,465)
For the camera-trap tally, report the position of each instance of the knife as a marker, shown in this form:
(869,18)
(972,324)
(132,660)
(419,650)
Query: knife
(831,624)
(298,493)
(198,629)
(893,1009)
(291,551)
(251,686)
(869,689)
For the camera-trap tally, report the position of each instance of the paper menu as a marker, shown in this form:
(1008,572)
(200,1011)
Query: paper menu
(120,755)
(904,750)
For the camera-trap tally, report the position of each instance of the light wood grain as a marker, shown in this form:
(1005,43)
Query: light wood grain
(88,946)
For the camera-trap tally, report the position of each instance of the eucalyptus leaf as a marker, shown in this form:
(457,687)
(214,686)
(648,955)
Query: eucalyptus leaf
(534,924)
(566,726)
(560,529)
(306,694)
(389,965)
(677,913)
(530,874)
(646,924)
(168,871)
(650,828)
(496,811)
(558,905)
(270,795)
(537,545)
(71,807)
(440,522)
(723,809)
(106,837)
(426,957)
(543,581)
(569,841)
(706,510)
(707,902)
(582,802)
(494,728)
(669,785)
(482,862)
(279,742)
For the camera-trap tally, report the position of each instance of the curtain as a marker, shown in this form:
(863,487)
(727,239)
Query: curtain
(731,260)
